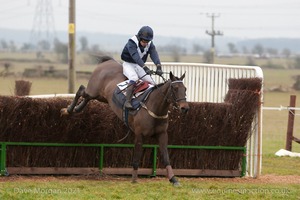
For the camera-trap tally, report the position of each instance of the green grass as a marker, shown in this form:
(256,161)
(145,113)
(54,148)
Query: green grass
(156,188)
(274,135)
(280,77)
(39,85)
(280,165)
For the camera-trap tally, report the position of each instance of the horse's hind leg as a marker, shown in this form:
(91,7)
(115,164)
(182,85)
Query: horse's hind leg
(71,107)
(86,99)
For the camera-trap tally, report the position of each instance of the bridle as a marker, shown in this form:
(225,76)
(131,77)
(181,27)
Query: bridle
(175,99)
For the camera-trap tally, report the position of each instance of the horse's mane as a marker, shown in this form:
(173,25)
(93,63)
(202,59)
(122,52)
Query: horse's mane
(161,84)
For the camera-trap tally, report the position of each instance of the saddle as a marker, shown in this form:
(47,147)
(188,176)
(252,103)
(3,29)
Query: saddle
(140,88)
(140,94)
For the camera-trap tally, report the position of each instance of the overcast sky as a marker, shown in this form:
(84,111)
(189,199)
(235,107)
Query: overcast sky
(182,18)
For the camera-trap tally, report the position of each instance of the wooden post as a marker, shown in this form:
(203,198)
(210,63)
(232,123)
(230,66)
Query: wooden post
(72,31)
(259,139)
(290,127)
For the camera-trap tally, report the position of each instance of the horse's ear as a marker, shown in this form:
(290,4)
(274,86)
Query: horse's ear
(182,77)
(171,75)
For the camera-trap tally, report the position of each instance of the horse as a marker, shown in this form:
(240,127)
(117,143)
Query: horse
(152,120)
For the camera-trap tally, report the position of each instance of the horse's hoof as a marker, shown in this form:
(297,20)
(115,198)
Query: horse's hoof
(134,181)
(174,181)
(64,111)
(176,184)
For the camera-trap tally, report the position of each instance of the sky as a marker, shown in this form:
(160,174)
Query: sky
(171,18)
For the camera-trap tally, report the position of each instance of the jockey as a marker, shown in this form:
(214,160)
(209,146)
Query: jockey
(134,55)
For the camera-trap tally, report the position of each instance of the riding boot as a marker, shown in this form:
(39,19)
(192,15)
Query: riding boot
(129,93)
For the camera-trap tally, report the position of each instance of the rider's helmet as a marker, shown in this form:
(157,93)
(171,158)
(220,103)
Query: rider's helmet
(145,33)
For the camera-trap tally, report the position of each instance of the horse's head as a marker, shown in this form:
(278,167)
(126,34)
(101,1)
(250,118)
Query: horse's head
(178,93)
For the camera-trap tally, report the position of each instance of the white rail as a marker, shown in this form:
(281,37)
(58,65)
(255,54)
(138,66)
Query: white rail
(51,95)
(280,108)
(209,83)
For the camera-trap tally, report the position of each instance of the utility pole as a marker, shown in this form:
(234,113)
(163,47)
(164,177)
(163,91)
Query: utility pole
(213,33)
(71,49)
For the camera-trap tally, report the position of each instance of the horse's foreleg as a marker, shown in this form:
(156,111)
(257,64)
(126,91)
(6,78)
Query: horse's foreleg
(163,143)
(137,154)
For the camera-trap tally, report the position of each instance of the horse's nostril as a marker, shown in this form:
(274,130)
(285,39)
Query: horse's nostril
(184,109)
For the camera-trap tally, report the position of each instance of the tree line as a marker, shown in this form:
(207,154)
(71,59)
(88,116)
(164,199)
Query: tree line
(61,50)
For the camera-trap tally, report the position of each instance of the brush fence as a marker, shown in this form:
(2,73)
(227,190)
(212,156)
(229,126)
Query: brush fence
(206,83)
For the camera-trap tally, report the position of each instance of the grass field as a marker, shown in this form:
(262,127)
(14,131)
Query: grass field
(24,188)
(286,183)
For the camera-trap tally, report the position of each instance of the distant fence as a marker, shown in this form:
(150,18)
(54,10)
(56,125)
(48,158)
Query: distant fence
(291,118)
(209,83)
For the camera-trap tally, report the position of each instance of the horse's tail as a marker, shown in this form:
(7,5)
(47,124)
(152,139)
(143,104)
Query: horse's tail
(102,58)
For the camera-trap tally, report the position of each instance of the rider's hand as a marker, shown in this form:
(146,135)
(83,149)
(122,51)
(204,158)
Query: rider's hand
(147,70)
(158,70)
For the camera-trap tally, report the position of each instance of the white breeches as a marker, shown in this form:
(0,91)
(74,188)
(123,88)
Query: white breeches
(133,72)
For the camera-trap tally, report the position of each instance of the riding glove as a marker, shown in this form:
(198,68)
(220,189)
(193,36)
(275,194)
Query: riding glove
(147,70)
(158,70)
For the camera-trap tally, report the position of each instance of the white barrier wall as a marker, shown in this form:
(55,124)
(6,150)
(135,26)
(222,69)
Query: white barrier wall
(209,83)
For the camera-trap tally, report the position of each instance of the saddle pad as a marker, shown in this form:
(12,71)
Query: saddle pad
(119,98)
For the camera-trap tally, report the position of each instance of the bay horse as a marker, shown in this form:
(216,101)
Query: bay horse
(152,120)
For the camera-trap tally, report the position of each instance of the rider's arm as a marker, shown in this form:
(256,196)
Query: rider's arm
(154,55)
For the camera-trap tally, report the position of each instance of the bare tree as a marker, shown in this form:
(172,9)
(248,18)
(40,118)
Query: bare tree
(232,48)
(61,51)
(207,58)
(84,43)
(3,45)
(258,49)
